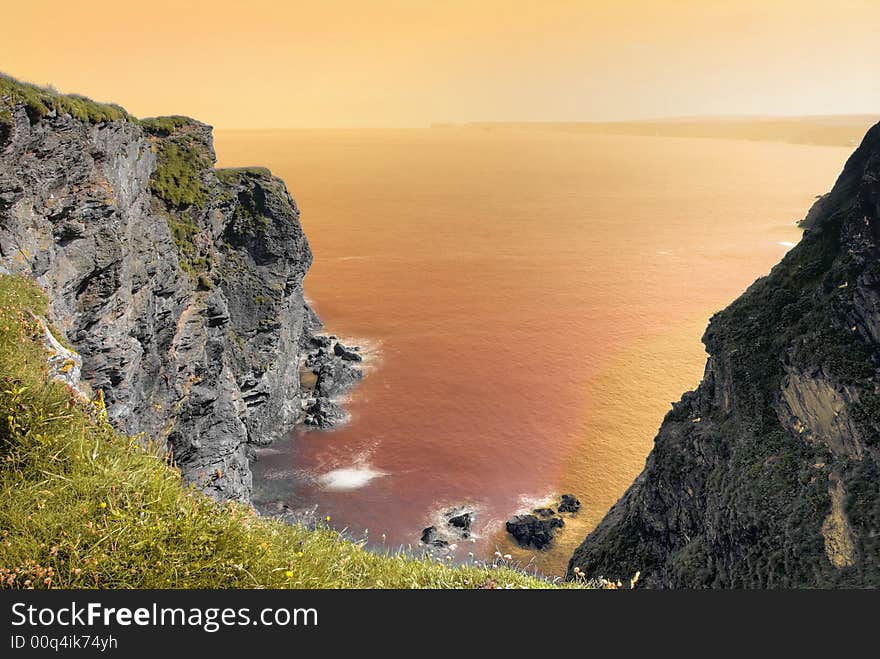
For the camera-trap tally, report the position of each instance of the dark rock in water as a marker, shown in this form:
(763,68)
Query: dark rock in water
(431,537)
(544,512)
(324,413)
(320,341)
(528,530)
(462,521)
(336,376)
(569,504)
(346,353)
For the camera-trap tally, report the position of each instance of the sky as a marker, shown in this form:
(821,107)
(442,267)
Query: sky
(402,63)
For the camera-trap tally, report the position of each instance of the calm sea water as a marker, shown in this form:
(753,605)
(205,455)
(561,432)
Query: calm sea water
(531,301)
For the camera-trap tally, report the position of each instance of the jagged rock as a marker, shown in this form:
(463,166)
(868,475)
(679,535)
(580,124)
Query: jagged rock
(336,376)
(529,531)
(431,537)
(544,512)
(345,353)
(815,212)
(462,521)
(317,358)
(569,504)
(324,413)
(767,475)
(320,341)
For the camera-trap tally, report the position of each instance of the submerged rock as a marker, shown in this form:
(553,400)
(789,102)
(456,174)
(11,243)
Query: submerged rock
(569,504)
(528,530)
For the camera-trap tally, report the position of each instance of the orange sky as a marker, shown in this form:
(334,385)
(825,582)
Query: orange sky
(276,64)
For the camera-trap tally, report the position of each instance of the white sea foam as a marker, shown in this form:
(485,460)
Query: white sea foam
(785,243)
(349,478)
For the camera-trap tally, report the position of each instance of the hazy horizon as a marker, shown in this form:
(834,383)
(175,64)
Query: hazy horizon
(407,64)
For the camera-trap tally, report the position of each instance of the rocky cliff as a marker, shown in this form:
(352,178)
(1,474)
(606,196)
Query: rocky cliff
(768,475)
(179,284)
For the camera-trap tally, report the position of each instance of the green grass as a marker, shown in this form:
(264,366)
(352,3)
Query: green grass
(182,163)
(232,175)
(165,126)
(179,171)
(39,101)
(86,507)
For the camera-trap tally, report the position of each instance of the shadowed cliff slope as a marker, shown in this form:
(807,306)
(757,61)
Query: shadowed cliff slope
(179,284)
(768,475)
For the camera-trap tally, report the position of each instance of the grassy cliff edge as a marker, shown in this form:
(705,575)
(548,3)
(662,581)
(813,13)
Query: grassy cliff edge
(87,507)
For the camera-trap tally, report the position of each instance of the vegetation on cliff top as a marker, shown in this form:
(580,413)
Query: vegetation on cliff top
(181,159)
(233,175)
(85,507)
(39,101)
(182,162)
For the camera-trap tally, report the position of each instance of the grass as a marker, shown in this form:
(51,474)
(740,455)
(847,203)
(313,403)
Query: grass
(165,126)
(182,161)
(39,101)
(86,507)
(232,175)
(179,171)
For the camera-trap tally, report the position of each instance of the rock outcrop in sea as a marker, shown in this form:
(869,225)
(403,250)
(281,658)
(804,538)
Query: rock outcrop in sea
(180,285)
(768,475)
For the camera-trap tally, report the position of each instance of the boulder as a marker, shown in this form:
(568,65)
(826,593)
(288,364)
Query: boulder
(569,504)
(336,376)
(319,341)
(348,354)
(461,520)
(544,512)
(431,537)
(316,358)
(528,530)
(324,413)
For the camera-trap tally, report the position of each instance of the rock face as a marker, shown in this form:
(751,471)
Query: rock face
(815,212)
(768,475)
(180,285)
